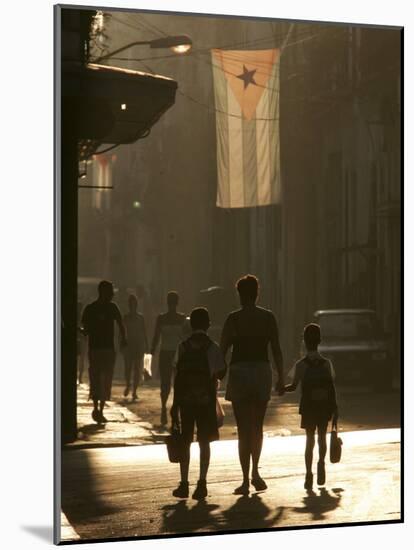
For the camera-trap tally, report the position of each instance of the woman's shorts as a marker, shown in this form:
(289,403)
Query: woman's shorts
(249,381)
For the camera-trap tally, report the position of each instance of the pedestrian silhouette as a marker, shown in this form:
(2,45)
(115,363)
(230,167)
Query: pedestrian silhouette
(199,364)
(249,331)
(137,346)
(98,324)
(318,402)
(168,332)
(81,344)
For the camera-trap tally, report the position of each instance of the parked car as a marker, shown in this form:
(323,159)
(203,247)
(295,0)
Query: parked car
(357,345)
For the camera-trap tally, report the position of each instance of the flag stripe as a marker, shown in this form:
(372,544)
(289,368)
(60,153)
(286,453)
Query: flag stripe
(274,94)
(263,149)
(222,134)
(250,162)
(235,151)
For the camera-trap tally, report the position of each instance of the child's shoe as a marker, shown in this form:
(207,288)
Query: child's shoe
(321,473)
(182,490)
(308,482)
(201,490)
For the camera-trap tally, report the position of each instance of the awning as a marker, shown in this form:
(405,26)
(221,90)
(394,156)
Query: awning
(113,105)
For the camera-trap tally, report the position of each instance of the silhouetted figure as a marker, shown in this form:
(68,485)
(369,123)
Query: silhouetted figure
(318,402)
(121,298)
(137,346)
(168,329)
(98,324)
(81,345)
(146,307)
(249,331)
(199,364)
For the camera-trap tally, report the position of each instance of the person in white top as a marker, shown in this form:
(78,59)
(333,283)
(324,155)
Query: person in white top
(168,333)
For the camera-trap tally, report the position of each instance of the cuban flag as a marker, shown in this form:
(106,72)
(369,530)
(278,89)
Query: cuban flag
(246,92)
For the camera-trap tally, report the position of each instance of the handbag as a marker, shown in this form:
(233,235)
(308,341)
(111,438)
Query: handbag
(147,366)
(219,413)
(175,444)
(335,447)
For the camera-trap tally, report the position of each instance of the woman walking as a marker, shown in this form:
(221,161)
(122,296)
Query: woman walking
(249,331)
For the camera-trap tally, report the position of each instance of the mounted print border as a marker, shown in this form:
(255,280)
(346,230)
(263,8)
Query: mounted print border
(228,275)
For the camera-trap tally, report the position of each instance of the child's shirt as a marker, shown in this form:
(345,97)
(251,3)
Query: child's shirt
(216,362)
(298,370)
(198,363)
(316,376)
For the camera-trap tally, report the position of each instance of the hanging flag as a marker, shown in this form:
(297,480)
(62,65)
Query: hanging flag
(246,90)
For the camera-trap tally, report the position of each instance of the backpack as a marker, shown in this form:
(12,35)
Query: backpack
(193,383)
(318,390)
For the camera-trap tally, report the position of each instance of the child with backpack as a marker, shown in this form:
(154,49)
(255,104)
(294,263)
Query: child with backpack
(199,365)
(318,401)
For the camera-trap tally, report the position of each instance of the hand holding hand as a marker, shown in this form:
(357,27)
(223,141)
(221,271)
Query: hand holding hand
(280,387)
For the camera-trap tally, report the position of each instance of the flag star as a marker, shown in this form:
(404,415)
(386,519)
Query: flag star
(247,77)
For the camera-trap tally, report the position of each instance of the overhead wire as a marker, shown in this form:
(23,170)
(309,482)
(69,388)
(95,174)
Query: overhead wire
(207,51)
(210,63)
(160,32)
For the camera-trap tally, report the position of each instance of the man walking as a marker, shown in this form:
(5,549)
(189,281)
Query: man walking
(98,324)
(168,329)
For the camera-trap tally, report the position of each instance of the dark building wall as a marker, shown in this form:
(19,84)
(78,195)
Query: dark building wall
(341,204)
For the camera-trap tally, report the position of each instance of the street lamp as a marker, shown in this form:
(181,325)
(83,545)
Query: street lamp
(178,44)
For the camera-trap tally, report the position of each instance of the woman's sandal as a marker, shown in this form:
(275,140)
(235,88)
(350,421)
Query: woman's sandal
(243,489)
(259,484)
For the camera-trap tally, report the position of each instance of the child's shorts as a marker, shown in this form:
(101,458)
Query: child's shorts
(204,417)
(311,422)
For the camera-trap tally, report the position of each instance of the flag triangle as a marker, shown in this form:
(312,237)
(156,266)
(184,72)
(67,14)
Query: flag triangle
(248,73)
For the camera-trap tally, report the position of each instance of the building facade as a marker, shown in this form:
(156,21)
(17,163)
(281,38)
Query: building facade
(333,241)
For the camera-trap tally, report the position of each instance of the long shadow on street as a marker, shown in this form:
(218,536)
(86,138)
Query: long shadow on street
(318,505)
(248,512)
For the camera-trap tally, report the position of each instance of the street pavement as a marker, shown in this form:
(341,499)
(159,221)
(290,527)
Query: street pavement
(360,408)
(124,427)
(125,491)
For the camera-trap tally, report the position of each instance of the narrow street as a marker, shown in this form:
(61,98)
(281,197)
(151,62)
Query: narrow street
(117,480)
(126,491)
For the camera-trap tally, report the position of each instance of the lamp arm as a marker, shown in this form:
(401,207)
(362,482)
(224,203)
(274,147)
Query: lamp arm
(130,45)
